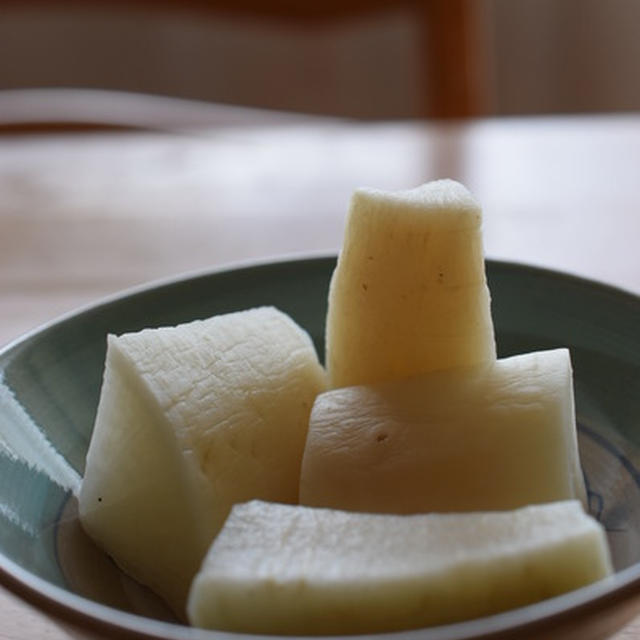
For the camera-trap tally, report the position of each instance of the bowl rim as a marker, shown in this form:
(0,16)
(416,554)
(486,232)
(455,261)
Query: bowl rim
(90,616)
(288,259)
(621,588)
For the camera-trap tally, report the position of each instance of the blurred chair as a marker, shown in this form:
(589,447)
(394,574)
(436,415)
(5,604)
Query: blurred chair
(93,44)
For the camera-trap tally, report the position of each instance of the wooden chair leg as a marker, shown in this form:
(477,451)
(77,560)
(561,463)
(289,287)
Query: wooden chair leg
(455,60)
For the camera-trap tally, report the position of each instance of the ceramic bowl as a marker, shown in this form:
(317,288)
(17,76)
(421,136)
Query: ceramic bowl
(49,387)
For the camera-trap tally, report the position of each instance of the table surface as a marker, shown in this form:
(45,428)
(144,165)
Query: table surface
(85,214)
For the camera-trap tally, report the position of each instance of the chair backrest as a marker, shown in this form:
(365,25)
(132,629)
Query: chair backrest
(94,44)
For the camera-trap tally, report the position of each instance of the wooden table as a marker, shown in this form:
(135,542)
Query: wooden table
(84,214)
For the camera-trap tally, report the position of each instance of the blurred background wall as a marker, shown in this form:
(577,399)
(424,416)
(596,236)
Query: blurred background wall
(565,55)
(534,56)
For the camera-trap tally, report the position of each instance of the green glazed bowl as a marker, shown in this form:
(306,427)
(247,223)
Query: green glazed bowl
(50,382)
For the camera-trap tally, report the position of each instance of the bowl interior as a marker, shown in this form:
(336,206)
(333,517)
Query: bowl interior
(50,383)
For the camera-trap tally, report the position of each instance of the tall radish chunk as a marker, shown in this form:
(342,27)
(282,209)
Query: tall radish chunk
(409,292)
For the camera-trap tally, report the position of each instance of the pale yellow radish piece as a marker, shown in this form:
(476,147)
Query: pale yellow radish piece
(191,420)
(494,436)
(409,293)
(281,569)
